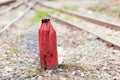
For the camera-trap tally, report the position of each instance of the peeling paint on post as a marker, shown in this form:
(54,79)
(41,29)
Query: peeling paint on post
(48,45)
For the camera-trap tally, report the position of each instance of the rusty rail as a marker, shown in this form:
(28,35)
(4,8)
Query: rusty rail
(13,7)
(89,19)
(71,25)
(6,2)
(17,18)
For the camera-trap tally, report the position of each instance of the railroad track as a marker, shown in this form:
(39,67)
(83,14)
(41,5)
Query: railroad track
(6,2)
(14,6)
(106,24)
(6,26)
(110,42)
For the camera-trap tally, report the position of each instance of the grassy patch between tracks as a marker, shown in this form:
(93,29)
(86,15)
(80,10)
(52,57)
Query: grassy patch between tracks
(113,12)
(40,15)
(72,8)
(68,17)
(115,15)
(64,16)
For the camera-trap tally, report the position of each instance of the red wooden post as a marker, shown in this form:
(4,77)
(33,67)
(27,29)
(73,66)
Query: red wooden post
(48,45)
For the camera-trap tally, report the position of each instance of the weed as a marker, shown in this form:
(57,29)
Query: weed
(64,44)
(68,18)
(40,15)
(21,35)
(72,8)
(114,13)
(15,49)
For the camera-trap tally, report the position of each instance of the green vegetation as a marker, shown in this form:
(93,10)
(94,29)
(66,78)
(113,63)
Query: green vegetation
(115,13)
(64,44)
(110,11)
(58,13)
(72,8)
(40,15)
(68,17)
(65,17)
(52,11)
(21,35)
(15,49)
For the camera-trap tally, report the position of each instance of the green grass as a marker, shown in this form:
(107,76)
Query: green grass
(115,14)
(40,15)
(72,8)
(68,17)
(15,49)
(59,13)
(64,44)
(112,13)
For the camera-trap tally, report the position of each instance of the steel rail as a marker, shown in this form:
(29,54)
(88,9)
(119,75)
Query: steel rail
(87,18)
(71,25)
(17,18)
(6,2)
(13,7)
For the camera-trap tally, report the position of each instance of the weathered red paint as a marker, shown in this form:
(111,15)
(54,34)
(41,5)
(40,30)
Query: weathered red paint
(48,45)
